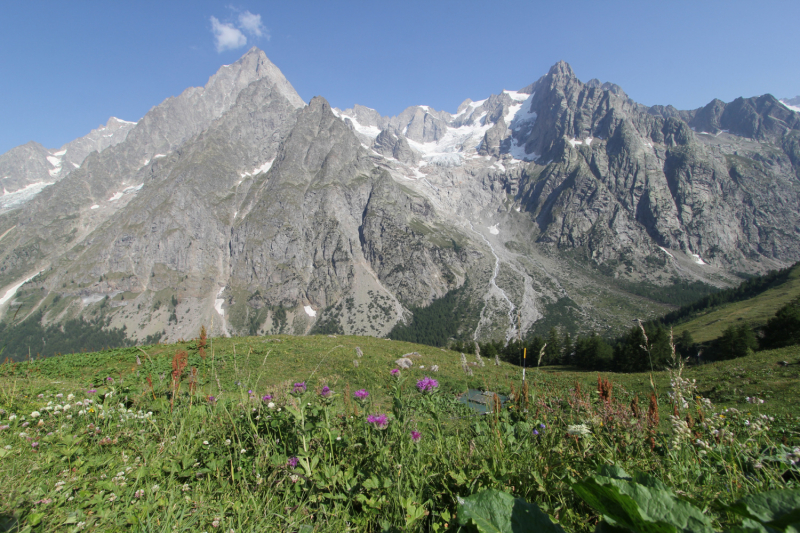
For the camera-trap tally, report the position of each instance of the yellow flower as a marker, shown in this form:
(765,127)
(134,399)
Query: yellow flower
(91,410)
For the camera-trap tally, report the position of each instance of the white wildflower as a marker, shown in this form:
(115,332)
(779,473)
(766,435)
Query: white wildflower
(579,429)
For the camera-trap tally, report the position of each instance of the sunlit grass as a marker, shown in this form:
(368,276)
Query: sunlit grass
(240,451)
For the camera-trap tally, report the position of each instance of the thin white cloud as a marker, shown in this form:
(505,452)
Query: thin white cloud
(251,23)
(227,36)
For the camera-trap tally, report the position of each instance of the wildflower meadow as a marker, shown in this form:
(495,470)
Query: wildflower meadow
(290,435)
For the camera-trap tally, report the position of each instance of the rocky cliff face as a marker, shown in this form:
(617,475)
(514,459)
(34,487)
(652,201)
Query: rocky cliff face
(68,211)
(27,169)
(622,178)
(239,206)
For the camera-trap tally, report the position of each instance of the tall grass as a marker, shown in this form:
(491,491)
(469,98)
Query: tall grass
(309,454)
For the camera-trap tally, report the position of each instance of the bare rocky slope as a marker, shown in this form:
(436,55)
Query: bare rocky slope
(240,207)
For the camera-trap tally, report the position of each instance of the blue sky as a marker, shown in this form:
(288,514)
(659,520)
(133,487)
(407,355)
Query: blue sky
(66,67)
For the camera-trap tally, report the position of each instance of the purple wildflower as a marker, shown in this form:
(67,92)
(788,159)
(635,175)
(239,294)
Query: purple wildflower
(266,398)
(326,392)
(380,421)
(292,463)
(536,433)
(212,400)
(34,444)
(427,384)
(91,391)
(542,426)
(361,394)
(299,388)
(395,371)
(415,436)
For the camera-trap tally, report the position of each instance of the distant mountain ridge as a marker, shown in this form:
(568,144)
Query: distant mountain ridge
(240,205)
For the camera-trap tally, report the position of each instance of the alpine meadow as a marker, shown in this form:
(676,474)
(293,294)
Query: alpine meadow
(554,309)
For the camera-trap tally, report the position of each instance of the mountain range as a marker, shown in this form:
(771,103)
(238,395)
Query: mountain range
(241,207)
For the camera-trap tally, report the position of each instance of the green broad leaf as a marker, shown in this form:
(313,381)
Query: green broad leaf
(493,511)
(458,477)
(615,472)
(750,526)
(294,412)
(34,519)
(641,504)
(775,509)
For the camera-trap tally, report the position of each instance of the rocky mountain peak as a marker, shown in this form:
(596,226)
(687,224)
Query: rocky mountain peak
(252,66)
(561,72)
(239,205)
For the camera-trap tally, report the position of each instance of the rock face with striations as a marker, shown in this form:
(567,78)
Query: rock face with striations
(68,211)
(622,178)
(238,205)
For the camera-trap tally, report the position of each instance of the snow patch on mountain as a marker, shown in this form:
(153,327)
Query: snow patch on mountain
(218,302)
(520,117)
(259,170)
(794,108)
(12,199)
(369,131)
(56,162)
(13,289)
(309,310)
(576,142)
(126,190)
(518,96)
(446,150)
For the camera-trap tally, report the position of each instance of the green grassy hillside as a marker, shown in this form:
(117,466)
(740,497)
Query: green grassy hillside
(709,324)
(272,364)
(268,434)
